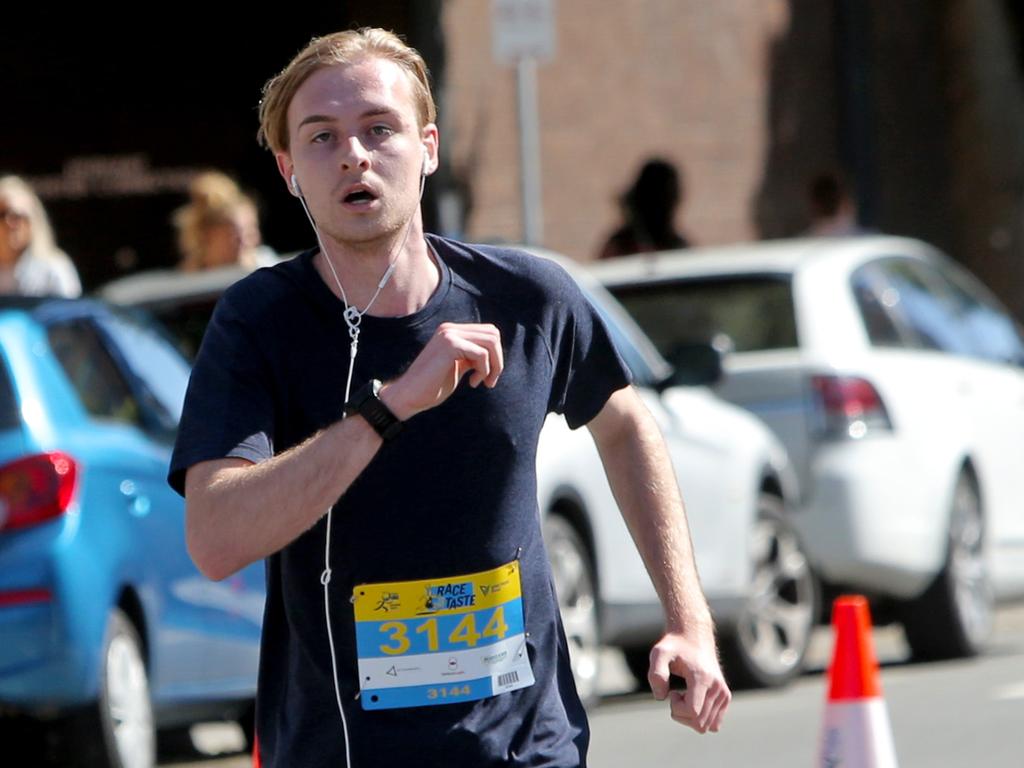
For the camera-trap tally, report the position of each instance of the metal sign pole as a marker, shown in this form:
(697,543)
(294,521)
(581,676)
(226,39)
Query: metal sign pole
(524,34)
(529,152)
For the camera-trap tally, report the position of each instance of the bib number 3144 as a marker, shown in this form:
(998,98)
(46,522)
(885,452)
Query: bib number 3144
(439,641)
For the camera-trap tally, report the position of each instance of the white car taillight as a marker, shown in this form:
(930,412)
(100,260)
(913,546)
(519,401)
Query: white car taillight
(849,407)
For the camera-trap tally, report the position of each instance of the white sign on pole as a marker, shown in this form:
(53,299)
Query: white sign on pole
(523,29)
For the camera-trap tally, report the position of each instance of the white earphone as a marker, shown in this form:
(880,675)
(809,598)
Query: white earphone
(295,187)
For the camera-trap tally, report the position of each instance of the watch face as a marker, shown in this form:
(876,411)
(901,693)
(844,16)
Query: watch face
(366,403)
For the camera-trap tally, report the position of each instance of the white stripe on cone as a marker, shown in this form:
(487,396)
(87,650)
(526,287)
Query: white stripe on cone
(857,735)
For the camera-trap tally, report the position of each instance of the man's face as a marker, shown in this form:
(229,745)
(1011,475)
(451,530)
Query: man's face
(357,150)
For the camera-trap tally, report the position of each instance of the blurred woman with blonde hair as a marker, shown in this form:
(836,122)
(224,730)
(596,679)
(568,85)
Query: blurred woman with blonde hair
(30,261)
(219,227)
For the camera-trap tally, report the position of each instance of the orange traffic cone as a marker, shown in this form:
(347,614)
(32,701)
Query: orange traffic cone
(857,732)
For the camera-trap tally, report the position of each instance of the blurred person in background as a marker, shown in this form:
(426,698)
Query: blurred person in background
(220,227)
(833,209)
(649,210)
(30,261)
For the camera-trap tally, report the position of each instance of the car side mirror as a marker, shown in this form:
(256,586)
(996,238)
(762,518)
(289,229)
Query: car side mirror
(694,365)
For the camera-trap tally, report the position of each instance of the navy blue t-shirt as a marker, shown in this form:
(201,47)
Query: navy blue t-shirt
(454,493)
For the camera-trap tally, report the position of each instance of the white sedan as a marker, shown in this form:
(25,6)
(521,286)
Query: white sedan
(735,477)
(896,382)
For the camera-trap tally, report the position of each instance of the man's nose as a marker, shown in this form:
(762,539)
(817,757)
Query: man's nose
(354,155)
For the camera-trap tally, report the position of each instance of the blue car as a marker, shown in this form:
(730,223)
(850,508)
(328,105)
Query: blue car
(107,630)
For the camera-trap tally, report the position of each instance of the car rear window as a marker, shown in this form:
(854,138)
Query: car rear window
(935,306)
(756,313)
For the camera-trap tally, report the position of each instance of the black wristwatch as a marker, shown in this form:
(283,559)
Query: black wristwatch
(367,403)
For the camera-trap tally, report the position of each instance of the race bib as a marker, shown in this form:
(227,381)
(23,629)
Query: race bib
(441,641)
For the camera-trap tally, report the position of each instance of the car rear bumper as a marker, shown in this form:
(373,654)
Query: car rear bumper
(872,522)
(45,660)
(35,671)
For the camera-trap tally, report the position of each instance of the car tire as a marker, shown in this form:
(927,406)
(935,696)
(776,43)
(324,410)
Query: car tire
(954,616)
(766,644)
(175,742)
(247,722)
(124,709)
(638,662)
(576,590)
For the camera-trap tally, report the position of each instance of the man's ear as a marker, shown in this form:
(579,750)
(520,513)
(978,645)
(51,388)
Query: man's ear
(431,143)
(286,168)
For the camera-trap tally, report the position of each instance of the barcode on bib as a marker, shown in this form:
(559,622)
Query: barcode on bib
(507,679)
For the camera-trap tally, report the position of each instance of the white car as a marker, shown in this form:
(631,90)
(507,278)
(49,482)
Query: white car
(895,381)
(734,474)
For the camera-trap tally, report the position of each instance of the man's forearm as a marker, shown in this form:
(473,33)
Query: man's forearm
(637,463)
(237,515)
(640,473)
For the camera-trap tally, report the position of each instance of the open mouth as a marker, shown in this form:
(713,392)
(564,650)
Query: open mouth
(360,196)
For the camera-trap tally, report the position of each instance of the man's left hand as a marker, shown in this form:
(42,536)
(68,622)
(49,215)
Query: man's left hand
(693,658)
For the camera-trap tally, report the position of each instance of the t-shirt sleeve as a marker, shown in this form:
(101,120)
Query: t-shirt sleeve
(587,367)
(228,409)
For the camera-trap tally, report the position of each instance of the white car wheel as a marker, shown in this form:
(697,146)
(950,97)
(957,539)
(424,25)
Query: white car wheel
(577,601)
(954,617)
(767,644)
(126,712)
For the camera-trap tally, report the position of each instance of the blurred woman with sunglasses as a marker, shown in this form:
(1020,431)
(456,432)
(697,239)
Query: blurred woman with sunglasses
(30,261)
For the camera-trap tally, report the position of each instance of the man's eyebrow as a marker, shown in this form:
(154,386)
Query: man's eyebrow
(372,112)
(315,119)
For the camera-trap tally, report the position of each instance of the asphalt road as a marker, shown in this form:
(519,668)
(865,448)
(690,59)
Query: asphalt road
(965,713)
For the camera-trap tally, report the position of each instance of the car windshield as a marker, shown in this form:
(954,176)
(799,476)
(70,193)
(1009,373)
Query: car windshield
(755,312)
(644,363)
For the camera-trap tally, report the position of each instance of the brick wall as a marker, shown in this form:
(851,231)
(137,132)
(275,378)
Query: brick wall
(683,79)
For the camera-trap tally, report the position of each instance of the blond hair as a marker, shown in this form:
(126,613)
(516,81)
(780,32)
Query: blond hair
(214,200)
(331,50)
(42,243)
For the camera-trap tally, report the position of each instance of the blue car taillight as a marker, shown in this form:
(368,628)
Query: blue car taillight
(35,489)
(849,407)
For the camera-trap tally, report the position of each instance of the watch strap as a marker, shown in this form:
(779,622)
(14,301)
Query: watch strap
(367,403)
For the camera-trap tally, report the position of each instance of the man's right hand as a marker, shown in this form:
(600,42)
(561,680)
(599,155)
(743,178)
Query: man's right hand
(454,350)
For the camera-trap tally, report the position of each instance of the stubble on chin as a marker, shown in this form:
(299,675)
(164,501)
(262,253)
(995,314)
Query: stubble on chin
(381,231)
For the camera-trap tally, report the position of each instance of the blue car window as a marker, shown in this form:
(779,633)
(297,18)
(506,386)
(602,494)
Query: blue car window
(101,388)
(157,368)
(10,415)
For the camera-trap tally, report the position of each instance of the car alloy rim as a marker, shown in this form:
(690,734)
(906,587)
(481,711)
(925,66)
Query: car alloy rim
(776,625)
(577,603)
(128,704)
(971,587)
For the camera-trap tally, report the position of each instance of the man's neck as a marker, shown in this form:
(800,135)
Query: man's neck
(360,269)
